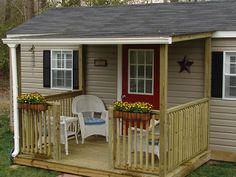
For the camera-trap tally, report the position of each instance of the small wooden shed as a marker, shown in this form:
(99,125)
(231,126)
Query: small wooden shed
(178,57)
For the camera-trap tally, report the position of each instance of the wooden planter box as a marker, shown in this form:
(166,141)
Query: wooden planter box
(132,116)
(36,107)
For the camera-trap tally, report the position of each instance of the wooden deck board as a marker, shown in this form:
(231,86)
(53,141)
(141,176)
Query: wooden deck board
(94,153)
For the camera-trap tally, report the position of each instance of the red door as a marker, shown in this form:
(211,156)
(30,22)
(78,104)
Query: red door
(140,75)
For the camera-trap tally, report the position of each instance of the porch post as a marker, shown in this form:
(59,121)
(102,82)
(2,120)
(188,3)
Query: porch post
(163,107)
(207,77)
(207,81)
(14,95)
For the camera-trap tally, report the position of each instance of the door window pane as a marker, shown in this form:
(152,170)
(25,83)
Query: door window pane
(141,86)
(149,72)
(148,86)
(132,85)
(132,57)
(141,63)
(141,71)
(149,57)
(141,55)
(133,71)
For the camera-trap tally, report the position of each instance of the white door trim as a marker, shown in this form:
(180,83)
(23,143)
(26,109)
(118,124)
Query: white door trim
(119,72)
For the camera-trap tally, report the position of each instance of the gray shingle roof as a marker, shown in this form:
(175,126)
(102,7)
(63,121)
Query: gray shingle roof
(133,20)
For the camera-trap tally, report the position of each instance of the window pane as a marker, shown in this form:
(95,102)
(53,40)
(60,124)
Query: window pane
(232,59)
(140,71)
(148,86)
(132,71)
(60,64)
(232,80)
(149,72)
(68,64)
(56,55)
(132,85)
(61,79)
(141,86)
(54,63)
(67,55)
(230,86)
(140,57)
(133,57)
(149,57)
(232,68)
(58,79)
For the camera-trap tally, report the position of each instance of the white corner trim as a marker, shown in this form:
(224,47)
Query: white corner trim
(80,41)
(224,34)
(119,72)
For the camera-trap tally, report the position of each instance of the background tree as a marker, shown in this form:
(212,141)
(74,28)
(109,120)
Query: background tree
(29,9)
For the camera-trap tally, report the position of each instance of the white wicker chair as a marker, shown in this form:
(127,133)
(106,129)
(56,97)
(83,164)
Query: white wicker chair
(86,107)
(156,142)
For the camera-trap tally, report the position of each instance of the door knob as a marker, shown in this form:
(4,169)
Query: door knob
(123,96)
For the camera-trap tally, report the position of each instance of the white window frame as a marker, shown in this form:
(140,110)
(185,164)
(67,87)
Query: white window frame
(137,93)
(64,69)
(224,74)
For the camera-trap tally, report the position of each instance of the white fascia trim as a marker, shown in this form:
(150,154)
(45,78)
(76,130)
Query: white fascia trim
(224,34)
(63,41)
(28,35)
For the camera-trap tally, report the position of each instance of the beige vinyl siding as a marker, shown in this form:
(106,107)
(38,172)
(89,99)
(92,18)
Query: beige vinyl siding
(184,87)
(102,81)
(223,125)
(223,44)
(32,75)
(223,112)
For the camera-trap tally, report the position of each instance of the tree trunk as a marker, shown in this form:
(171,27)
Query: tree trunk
(7,14)
(29,9)
(43,4)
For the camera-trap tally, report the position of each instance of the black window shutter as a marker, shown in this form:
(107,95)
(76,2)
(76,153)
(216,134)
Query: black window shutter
(46,68)
(217,74)
(75,69)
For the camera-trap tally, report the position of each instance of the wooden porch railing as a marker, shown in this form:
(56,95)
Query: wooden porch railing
(40,130)
(65,100)
(134,143)
(187,132)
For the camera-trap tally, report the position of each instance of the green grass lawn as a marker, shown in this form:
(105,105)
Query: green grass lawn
(215,169)
(6,144)
(212,169)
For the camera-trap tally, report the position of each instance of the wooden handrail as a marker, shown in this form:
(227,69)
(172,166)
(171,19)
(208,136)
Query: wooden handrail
(63,95)
(186,105)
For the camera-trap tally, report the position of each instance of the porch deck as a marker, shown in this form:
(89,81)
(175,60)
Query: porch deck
(90,158)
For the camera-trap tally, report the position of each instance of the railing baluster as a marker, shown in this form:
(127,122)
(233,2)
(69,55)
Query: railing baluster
(129,142)
(35,132)
(153,140)
(118,140)
(124,140)
(141,144)
(147,143)
(135,143)
(23,130)
(45,133)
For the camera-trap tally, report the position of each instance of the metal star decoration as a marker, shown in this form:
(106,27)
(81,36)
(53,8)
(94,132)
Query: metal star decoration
(185,65)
